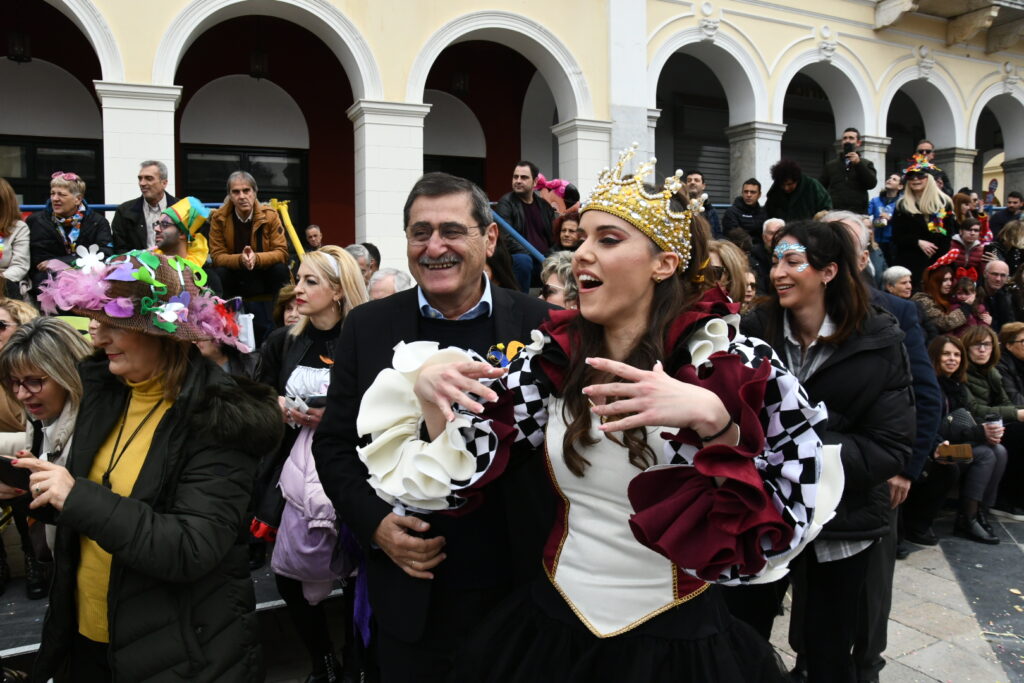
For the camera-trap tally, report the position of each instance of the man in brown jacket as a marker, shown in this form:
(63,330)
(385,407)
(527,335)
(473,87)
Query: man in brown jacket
(249,249)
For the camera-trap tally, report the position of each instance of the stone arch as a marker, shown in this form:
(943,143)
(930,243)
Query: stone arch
(527,37)
(935,99)
(90,21)
(849,93)
(730,61)
(316,16)
(1007,103)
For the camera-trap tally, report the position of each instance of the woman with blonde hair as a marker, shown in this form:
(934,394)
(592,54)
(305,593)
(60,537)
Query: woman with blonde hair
(14,250)
(728,269)
(1009,246)
(292,507)
(923,222)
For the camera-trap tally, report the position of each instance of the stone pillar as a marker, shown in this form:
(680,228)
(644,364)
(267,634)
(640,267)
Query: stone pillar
(873,149)
(583,150)
(388,161)
(138,125)
(753,148)
(958,163)
(627,82)
(1013,178)
(652,131)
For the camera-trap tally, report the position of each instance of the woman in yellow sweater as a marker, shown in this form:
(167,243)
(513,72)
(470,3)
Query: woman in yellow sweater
(150,576)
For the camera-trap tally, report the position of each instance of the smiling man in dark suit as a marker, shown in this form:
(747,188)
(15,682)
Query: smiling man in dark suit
(432,579)
(134,220)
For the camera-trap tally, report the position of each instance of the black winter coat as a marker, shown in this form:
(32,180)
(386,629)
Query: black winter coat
(955,396)
(1011,371)
(181,603)
(848,185)
(46,242)
(741,215)
(865,384)
(510,208)
(907,229)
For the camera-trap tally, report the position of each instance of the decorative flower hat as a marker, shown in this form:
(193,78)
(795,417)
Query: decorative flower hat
(651,214)
(920,164)
(143,292)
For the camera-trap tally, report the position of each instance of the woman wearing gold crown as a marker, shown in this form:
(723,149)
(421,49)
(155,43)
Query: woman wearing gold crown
(682,454)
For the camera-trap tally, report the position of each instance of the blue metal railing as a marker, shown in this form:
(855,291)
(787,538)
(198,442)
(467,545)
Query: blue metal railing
(530,249)
(105,207)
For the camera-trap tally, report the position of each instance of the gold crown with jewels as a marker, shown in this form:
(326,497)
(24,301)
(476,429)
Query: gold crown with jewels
(650,213)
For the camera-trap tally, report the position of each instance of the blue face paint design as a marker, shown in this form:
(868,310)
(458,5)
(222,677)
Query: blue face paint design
(782,247)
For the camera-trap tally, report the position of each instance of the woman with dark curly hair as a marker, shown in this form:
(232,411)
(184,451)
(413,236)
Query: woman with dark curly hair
(794,195)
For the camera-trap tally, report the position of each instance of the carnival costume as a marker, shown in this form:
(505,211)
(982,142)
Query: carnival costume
(632,555)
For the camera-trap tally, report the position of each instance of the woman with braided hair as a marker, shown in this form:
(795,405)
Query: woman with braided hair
(683,454)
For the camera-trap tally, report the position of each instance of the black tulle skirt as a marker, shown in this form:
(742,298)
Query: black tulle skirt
(534,636)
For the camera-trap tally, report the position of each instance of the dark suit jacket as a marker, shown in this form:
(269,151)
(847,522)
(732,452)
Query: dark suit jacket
(927,394)
(129,224)
(368,336)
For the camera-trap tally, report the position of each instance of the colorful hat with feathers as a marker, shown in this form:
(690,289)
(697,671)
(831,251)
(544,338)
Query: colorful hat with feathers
(920,164)
(188,215)
(144,292)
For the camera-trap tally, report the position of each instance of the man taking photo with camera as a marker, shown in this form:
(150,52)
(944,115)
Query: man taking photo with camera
(849,177)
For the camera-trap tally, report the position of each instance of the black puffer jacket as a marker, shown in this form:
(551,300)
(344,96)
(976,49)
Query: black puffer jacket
(866,386)
(742,215)
(180,600)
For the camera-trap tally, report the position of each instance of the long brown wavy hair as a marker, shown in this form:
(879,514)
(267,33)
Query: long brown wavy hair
(671,297)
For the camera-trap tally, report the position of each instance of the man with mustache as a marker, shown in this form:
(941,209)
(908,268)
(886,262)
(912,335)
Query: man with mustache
(432,579)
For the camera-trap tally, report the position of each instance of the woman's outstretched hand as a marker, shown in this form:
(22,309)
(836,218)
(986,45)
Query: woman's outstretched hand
(652,398)
(441,385)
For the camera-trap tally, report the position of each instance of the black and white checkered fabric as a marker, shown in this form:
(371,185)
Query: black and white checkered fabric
(790,465)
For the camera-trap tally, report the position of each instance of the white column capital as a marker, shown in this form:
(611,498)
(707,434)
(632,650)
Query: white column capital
(138,95)
(756,130)
(958,163)
(875,142)
(583,150)
(1013,165)
(387,113)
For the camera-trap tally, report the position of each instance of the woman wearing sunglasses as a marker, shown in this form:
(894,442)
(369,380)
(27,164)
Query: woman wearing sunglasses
(559,286)
(67,222)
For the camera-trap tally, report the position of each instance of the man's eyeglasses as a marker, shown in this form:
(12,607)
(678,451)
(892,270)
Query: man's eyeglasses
(550,290)
(164,225)
(32,385)
(451,233)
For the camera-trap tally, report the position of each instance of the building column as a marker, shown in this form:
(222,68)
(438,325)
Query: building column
(652,130)
(138,125)
(583,150)
(958,163)
(626,89)
(1013,178)
(388,161)
(874,149)
(753,148)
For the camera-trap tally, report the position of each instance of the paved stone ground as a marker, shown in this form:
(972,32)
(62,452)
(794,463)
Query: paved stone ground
(954,616)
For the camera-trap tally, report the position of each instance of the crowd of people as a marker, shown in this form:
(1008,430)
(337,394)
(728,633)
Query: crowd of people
(617,476)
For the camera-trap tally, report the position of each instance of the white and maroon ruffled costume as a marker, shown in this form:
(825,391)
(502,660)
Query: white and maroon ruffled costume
(627,546)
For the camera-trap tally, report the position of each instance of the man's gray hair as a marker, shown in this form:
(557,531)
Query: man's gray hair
(358,251)
(772,221)
(993,262)
(893,274)
(403,280)
(851,218)
(161,167)
(245,177)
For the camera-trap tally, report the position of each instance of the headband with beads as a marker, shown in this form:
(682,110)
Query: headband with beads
(650,213)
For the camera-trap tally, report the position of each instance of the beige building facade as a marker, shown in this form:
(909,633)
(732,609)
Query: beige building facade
(399,86)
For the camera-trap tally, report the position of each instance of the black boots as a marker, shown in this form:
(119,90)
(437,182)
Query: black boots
(327,670)
(972,528)
(37,578)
